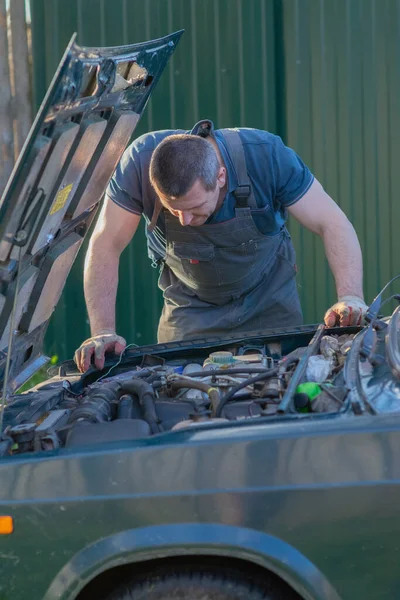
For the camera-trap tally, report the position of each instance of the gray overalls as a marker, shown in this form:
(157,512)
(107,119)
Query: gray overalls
(226,278)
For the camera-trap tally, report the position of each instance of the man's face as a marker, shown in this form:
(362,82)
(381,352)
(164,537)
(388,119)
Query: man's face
(198,204)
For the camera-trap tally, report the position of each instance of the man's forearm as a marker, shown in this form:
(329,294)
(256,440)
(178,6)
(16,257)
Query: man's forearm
(344,255)
(100,286)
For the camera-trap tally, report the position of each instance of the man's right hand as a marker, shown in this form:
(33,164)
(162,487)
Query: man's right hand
(105,341)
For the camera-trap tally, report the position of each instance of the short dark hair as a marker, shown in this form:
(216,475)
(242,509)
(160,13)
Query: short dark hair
(180,160)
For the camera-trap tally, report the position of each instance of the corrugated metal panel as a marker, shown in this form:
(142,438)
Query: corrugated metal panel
(342,80)
(325,75)
(223,69)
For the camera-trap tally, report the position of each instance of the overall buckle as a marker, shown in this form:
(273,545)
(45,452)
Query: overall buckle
(241,194)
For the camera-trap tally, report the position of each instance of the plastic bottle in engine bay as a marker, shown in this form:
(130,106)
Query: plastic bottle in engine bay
(226,360)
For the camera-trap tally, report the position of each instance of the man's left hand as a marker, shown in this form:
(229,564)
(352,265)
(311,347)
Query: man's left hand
(349,310)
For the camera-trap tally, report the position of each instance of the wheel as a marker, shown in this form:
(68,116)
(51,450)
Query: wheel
(199,584)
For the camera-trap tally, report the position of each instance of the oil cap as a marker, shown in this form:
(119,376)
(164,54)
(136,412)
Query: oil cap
(301,402)
(311,388)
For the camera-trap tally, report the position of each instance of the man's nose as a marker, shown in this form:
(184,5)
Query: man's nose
(185,218)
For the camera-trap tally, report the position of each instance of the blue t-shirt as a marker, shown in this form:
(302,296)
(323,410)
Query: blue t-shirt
(278,176)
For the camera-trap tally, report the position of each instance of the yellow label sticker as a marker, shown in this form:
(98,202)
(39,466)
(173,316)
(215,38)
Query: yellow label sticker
(61,199)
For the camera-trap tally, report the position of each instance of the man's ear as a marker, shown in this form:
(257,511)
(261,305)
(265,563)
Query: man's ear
(221,177)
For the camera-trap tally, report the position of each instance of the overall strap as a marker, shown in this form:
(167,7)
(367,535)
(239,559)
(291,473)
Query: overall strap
(156,213)
(243,193)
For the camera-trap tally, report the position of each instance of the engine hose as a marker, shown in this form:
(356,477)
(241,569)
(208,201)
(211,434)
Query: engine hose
(211,392)
(97,406)
(125,407)
(145,393)
(235,371)
(153,377)
(108,391)
(142,374)
(266,375)
(157,384)
(111,391)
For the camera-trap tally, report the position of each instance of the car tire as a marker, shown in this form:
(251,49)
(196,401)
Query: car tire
(202,585)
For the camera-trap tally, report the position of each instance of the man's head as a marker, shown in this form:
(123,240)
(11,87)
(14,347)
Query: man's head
(188,177)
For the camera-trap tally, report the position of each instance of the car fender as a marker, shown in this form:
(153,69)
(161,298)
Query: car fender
(162,541)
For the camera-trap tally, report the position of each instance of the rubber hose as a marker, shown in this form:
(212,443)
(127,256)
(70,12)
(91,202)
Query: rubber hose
(236,371)
(249,381)
(114,389)
(152,378)
(146,396)
(97,406)
(125,407)
(108,391)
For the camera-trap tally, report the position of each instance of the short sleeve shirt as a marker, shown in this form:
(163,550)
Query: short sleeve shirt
(278,176)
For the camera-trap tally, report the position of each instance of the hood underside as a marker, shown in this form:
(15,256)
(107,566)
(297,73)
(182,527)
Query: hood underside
(83,126)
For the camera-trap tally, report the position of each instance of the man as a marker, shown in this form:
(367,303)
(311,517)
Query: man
(215,203)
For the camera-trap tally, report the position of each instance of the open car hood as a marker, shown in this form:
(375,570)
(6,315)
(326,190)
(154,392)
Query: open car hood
(83,126)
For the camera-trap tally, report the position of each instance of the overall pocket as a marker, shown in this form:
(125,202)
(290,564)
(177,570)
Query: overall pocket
(194,262)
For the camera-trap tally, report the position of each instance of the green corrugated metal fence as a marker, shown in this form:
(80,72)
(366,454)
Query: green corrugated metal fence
(324,75)
(342,83)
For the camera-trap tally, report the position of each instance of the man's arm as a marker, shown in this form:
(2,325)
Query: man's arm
(114,230)
(319,213)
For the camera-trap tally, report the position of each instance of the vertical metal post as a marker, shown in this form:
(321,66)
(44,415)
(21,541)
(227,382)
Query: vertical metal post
(6,119)
(20,79)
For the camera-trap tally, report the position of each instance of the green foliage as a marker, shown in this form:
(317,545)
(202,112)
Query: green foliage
(39,376)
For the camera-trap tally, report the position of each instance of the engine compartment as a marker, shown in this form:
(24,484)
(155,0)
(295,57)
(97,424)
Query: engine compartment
(308,373)
(202,387)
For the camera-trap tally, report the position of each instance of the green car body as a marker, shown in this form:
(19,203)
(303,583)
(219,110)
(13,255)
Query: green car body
(315,503)
(312,500)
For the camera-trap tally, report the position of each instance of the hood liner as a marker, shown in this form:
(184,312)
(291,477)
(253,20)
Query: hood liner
(82,128)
